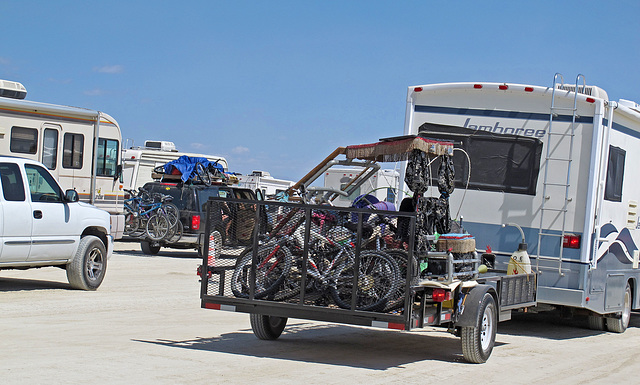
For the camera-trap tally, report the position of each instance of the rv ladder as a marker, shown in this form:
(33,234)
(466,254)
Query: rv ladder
(555,142)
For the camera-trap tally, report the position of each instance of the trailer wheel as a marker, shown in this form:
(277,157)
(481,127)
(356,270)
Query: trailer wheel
(619,325)
(478,340)
(88,267)
(148,248)
(267,327)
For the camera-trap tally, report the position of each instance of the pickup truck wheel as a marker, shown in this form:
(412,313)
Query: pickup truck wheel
(619,325)
(148,248)
(88,267)
(267,327)
(478,340)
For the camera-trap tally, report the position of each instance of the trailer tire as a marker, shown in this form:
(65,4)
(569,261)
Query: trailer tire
(148,248)
(619,325)
(88,267)
(478,340)
(267,327)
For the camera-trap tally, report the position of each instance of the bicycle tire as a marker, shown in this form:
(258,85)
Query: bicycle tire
(157,227)
(377,281)
(270,272)
(396,301)
(203,174)
(177,233)
(173,214)
(131,223)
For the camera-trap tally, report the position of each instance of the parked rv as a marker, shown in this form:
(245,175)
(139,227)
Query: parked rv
(558,161)
(263,181)
(138,163)
(383,185)
(80,147)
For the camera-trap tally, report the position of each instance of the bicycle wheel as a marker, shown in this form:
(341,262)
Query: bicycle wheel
(272,266)
(172,213)
(203,174)
(176,233)
(396,300)
(377,281)
(157,227)
(131,223)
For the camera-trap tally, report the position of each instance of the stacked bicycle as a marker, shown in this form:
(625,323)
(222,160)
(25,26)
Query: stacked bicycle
(151,216)
(333,273)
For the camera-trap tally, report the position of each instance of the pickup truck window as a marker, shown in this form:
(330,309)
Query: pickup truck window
(24,140)
(12,186)
(42,186)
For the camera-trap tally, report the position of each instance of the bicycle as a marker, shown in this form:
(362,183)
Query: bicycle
(330,267)
(155,213)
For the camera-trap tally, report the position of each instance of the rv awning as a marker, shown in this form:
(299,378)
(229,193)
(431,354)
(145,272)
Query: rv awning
(398,149)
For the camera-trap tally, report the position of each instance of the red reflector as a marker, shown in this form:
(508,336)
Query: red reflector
(195,222)
(591,100)
(441,295)
(417,89)
(571,241)
(528,89)
(396,326)
(477,86)
(587,299)
(215,306)
(503,87)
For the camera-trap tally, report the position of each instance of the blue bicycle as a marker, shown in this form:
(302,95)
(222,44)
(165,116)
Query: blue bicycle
(154,214)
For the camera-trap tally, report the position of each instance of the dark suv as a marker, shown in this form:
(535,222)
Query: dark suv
(190,200)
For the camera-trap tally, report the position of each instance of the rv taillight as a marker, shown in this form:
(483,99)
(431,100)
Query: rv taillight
(528,89)
(477,86)
(441,295)
(503,87)
(417,89)
(195,222)
(571,241)
(591,100)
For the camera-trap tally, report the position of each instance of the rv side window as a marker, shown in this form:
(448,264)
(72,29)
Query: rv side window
(72,150)
(24,140)
(107,157)
(615,174)
(50,148)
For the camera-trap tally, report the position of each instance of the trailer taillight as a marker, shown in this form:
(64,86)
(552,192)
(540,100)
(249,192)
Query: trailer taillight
(417,89)
(477,86)
(591,100)
(195,222)
(528,89)
(441,295)
(503,87)
(571,242)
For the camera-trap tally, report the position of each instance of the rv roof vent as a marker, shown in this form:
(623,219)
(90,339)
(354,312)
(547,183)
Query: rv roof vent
(13,90)
(630,104)
(594,91)
(160,145)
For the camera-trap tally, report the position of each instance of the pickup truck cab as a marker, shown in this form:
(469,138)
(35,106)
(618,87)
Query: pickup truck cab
(40,225)
(191,201)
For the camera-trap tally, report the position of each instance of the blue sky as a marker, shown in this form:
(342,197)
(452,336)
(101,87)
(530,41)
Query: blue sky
(278,85)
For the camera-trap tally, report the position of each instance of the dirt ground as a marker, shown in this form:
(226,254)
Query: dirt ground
(145,325)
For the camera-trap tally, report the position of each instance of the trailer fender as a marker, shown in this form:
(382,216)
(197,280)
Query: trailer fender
(470,303)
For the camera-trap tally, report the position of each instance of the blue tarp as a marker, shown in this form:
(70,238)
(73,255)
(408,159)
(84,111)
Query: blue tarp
(186,165)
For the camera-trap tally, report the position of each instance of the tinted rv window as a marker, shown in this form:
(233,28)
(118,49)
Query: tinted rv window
(107,157)
(615,174)
(72,150)
(507,163)
(24,140)
(50,148)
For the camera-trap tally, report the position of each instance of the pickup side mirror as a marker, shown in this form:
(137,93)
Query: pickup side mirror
(71,195)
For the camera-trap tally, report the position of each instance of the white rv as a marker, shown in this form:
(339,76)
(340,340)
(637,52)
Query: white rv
(559,163)
(263,181)
(383,184)
(138,162)
(80,147)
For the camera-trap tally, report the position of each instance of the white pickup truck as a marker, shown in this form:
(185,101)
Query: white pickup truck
(40,225)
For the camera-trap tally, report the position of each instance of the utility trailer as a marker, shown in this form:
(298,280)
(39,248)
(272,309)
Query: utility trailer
(360,266)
